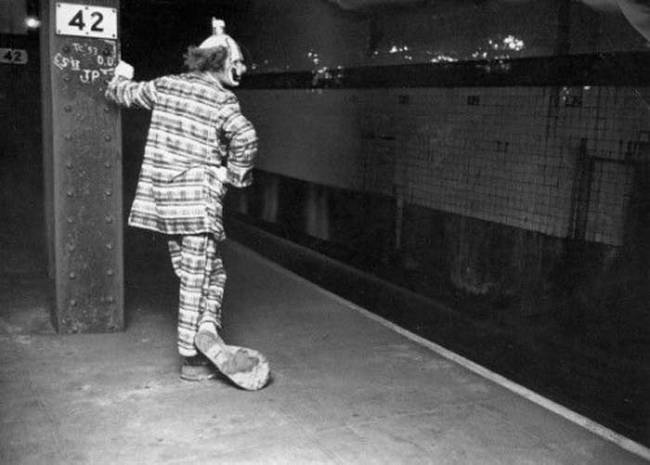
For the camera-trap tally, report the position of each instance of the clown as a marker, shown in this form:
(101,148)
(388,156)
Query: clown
(198,144)
(234,66)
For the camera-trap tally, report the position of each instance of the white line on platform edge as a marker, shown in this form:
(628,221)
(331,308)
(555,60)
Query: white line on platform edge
(588,424)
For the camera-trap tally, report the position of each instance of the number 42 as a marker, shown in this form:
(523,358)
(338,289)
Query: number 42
(14,56)
(78,21)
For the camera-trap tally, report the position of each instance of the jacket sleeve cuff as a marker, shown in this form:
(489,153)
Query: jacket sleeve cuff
(239,176)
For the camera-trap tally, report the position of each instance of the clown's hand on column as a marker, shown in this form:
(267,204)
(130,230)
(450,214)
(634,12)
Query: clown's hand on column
(123,69)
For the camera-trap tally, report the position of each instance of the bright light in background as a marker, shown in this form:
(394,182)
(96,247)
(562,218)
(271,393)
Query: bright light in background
(313,56)
(400,49)
(497,47)
(507,43)
(32,22)
(442,58)
(513,43)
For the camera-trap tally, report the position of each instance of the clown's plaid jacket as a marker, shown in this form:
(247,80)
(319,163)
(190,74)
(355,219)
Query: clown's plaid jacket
(196,126)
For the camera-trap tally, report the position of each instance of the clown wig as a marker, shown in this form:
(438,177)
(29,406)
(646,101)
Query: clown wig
(206,59)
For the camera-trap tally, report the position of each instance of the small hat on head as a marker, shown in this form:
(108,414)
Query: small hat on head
(219,38)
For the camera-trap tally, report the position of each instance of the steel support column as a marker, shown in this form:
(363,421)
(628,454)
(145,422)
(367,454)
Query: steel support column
(82,165)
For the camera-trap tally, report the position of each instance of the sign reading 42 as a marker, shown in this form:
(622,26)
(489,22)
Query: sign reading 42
(74,19)
(15,56)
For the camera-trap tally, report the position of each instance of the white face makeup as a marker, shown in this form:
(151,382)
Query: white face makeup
(234,67)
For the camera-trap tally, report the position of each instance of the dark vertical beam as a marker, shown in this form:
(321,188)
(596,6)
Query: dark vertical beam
(83,172)
(563,41)
(375,34)
(46,108)
(581,194)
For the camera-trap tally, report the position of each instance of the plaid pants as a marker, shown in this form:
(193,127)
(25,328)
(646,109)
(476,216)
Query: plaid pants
(197,262)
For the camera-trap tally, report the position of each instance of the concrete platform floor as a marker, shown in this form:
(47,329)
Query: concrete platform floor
(346,389)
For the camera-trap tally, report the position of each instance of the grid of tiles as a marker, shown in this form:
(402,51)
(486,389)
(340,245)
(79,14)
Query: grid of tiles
(510,155)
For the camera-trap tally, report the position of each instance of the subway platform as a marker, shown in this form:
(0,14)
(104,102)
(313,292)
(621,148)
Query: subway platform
(347,388)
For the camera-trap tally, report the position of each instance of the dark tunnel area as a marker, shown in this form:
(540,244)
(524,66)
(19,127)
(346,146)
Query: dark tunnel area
(488,190)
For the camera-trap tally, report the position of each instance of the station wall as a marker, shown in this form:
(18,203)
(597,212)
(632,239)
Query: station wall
(506,155)
(497,148)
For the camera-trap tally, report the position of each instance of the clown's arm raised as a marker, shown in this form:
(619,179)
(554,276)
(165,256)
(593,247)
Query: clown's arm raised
(128,93)
(241,138)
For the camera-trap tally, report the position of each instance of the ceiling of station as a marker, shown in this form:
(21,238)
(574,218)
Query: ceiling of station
(366,4)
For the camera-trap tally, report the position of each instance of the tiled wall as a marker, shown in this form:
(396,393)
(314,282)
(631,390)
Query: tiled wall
(509,155)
